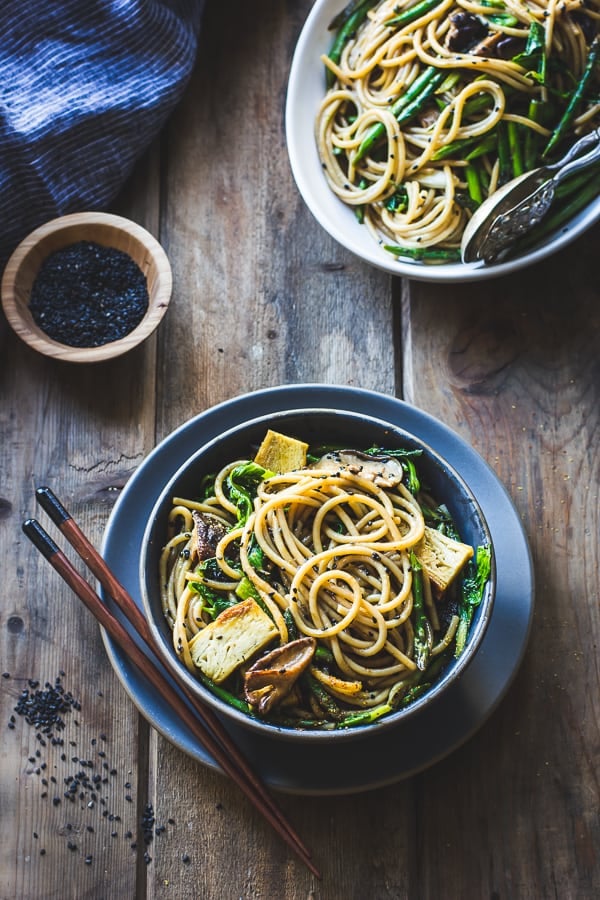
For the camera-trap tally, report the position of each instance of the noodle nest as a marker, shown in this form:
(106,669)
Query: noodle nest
(331,557)
(453,117)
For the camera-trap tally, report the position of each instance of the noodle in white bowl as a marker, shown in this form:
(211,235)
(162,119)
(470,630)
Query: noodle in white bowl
(397,194)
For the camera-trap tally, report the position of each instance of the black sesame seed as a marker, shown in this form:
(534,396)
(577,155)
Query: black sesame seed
(86,295)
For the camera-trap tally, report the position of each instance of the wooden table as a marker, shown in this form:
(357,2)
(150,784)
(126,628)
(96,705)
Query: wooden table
(263,297)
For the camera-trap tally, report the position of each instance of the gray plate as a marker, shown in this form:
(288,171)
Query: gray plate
(428,736)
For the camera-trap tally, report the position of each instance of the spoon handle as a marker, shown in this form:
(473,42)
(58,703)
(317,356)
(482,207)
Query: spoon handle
(573,161)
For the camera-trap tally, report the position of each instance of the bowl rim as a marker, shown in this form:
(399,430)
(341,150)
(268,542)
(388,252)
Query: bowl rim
(159,628)
(22,322)
(334,216)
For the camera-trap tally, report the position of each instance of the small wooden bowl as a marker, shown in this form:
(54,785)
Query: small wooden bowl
(102,228)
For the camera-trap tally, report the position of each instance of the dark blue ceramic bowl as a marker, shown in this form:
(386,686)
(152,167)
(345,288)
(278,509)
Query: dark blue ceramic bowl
(316,427)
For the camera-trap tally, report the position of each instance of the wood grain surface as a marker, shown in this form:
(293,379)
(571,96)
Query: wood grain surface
(262,296)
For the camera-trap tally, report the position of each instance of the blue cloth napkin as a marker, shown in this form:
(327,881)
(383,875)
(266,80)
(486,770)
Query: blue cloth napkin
(85,85)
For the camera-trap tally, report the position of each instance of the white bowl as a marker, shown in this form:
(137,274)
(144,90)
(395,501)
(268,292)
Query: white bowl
(306,89)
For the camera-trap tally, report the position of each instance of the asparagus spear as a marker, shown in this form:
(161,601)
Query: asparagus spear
(514,147)
(356,15)
(365,716)
(576,98)
(473,183)
(428,254)
(423,633)
(406,106)
(415,12)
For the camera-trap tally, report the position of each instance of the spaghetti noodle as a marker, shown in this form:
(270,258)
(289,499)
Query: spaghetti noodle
(337,556)
(432,105)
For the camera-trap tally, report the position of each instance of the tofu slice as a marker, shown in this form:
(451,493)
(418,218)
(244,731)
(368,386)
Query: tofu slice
(281,453)
(234,636)
(442,557)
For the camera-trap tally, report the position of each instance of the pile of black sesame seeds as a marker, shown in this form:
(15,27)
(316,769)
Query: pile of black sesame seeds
(87,783)
(87,295)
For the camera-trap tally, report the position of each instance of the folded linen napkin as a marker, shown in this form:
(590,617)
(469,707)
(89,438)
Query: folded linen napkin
(84,88)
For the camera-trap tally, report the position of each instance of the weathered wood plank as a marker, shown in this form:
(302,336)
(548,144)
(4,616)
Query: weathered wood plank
(517,375)
(262,297)
(81,431)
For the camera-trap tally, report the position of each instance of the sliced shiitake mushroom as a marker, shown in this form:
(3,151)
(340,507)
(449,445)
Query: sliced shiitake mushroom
(384,471)
(272,677)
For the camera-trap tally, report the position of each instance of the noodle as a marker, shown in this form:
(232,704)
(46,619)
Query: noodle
(329,555)
(425,118)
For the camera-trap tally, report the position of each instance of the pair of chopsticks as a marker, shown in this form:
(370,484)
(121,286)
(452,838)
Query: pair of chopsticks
(202,722)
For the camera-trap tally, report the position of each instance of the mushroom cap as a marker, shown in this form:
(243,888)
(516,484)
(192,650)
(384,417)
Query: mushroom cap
(384,471)
(273,676)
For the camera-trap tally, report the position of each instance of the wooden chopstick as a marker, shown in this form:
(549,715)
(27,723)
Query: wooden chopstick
(224,751)
(86,551)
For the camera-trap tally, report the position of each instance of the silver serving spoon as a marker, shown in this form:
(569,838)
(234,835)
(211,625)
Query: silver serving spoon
(520,204)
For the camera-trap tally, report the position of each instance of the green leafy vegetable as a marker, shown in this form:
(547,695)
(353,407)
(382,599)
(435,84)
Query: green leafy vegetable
(534,55)
(473,585)
(214,602)
(242,483)
(440,519)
